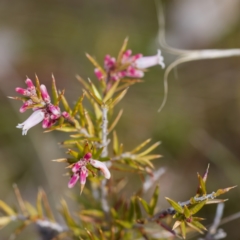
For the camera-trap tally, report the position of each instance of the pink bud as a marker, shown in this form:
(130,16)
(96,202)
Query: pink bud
(87,156)
(103,168)
(44,93)
(22,91)
(98,74)
(109,62)
(66,115)
(46,121)
(29,83)
(126,55)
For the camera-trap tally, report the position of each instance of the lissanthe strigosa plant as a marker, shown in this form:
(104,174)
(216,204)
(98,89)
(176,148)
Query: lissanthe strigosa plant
(103,212)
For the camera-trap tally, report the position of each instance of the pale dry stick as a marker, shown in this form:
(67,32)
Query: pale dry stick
(214,232)
(104,201)
(186,55)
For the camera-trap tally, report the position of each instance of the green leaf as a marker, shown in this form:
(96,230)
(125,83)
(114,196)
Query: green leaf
(149,149)
(118,98)
(183,229)
(124,224)
(38,87)
(77,105)
(198,225)
(94,90)
(187,213)
(89,123)
(39,204)
(87,148)
(92,212)
(31,209)
(122,50)
(70,221)
(196,207)
(139,147)
(4,221)
(54,91)
(47,207)
(175,205)
(154,200)
(83,82)
(95,98)
(111,91)
(144,204)
(137,209)
(202,186)
(131,210)
(176,224)
(222,191)
(95,63)
(65,103)
(115,121)
(73,153)
(8,210)
(115,143)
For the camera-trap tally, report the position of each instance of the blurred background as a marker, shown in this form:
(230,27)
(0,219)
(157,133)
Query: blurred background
(198,125)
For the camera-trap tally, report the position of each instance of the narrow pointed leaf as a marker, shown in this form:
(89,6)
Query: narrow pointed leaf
(183,229)
(202,186)
(176,224)
(83,82)
(139,147)
(115,143)
(94,90)
(187,213)
(39,204)
(137,209)
(195,228)
(111,91)
(66,214)
(198,225)
(144,204)
(54,91)
(47,207)
(222,191)
(99,101)
(76,107)
(149,149)
(32,211)
(95,63)
(122,50)
(65,104)
(124,224)
(4,221)
(131,210)
(115,121)
(196,207)
(8,210)
(89,123)
(154,200)
(119,97)
(73,153)
(175,205)
(38,87)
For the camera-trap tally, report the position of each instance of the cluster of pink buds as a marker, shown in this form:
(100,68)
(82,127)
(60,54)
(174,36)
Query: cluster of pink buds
(80,170)
(131,65)
(43,110)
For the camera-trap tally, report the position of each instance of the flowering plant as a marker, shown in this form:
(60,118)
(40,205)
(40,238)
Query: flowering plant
(105,215)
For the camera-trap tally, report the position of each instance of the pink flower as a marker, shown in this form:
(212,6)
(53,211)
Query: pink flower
(130,65)
(80,170)
(44,110)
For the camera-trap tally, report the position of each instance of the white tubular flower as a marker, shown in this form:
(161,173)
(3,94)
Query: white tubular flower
(33,120)
(150,61)
(103,168)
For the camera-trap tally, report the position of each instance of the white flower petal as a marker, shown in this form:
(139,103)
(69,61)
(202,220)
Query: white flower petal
(103,168)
